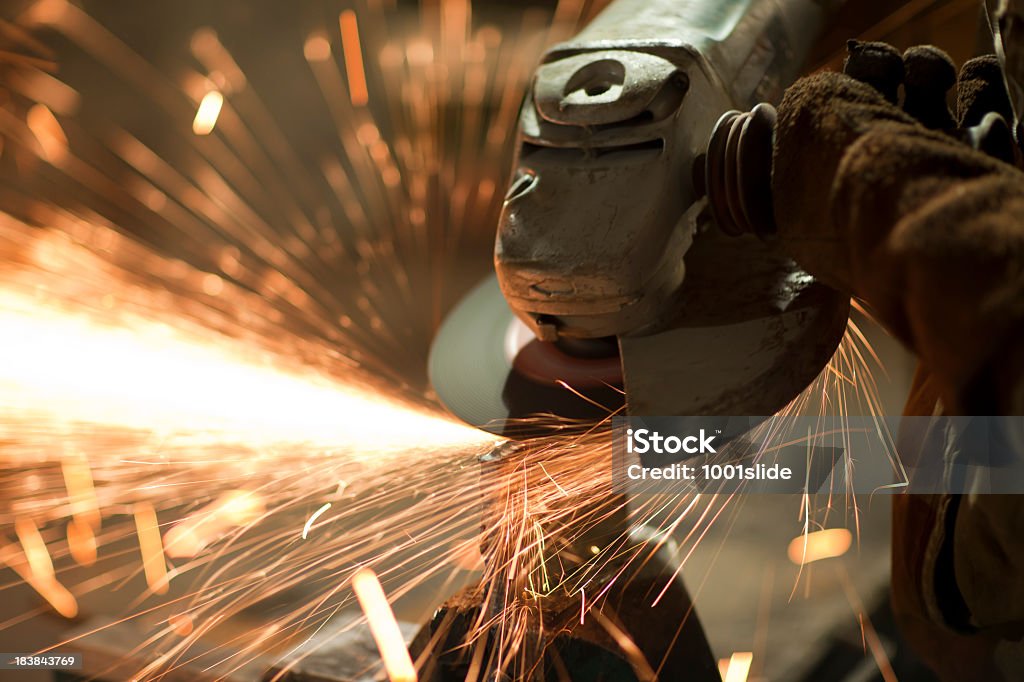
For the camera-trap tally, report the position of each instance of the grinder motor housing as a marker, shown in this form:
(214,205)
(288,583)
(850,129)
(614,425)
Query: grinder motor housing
(594,229)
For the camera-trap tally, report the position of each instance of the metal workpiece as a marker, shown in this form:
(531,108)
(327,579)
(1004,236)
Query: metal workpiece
(572,598)
(592,240)
(608,630)
(667,641)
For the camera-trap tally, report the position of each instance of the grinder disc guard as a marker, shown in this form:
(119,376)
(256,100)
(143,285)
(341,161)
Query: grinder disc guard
(750,333)
(487,368)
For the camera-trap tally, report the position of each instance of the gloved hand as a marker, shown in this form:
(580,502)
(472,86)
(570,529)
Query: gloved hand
(902,208)
(895,207)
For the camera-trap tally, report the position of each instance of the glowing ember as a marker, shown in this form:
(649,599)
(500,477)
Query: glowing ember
(35,549)
(204,527)
(153,562)
(208,112)
(353,58)
(81,543)
(738,667)
(383,625)
(48,132)
(36,569)
(181,624)
(821,544)
(312,519)
(81,492)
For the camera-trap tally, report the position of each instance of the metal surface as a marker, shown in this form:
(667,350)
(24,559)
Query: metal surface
(665,636)
(592,237)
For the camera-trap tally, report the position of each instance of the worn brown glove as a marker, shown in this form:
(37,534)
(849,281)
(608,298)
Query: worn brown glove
(902,208)
(908,217)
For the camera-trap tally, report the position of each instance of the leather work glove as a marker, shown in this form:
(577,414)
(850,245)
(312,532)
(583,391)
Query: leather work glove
(927,231)
(901,207)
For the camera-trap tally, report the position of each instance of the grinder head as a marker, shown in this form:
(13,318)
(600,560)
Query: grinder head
(591,239)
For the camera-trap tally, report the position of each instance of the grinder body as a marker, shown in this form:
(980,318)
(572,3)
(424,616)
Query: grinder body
(593,233)
(610,280)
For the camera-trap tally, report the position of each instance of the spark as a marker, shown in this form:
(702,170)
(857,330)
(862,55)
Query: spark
(317,49)
(353,53)
(190,536)
(466,555)
(628,647)
(150,375)
(81,542)
(36,568)
(868,632)
(81,492)
(738,667)
(208,112)
(383,626)
(53,143)
(32,544)
(313,518)
(151,546)
(181,624)
(817,545)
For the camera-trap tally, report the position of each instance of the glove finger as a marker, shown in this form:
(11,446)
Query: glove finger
(981,90)
(880,65)
(929,74)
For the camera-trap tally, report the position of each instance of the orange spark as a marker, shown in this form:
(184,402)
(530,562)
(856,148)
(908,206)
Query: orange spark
(32,544)
(316,49)
(81,542)
(81,491)
(181,624)
(232,509)
(151,547)
(53,143)
(208,112)
(383,626)
(62,601)
(353,53)
(821,544)
(312,519)
(738,667)
(466,555)
(419,53)
(35,567)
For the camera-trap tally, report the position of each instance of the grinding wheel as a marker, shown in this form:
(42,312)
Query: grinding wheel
(487,368)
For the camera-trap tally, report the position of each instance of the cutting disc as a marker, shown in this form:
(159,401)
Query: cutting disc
(488,369)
